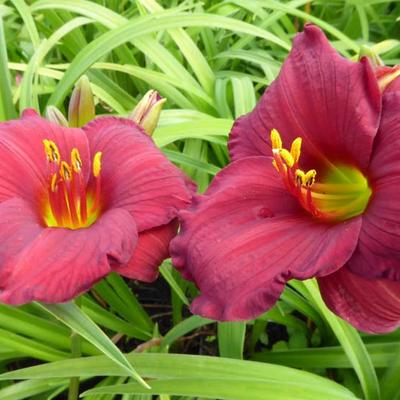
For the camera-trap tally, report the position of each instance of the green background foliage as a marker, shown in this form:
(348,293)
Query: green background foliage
(212,60)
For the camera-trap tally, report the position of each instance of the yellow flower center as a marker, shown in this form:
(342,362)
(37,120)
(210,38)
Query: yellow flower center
(68,203)
(343,194)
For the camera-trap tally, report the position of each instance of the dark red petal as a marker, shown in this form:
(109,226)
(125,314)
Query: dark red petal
(62,263)
(332,103)
(378,252)
(19,226)
(23,165)
(247,236)
(371,305)
(151,250)
(135,174)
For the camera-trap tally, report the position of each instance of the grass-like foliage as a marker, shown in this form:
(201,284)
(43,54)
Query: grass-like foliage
(212,60)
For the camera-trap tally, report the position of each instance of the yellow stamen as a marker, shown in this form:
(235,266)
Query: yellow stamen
(76,160)
(70,202)
(343,194)
(276,140)
(287,157)
(97,164)
(295,149)
(65,171)
(52,152)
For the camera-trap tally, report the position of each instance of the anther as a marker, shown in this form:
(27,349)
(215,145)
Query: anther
(52,152)
(97,164)
(276,140)
(76,160)
(295,149)
(65,171)
(300,177)
(287,157)
(309,177)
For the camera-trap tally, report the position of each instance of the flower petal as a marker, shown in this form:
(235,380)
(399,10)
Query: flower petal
(62,263)
(371,305)
(247,236)
(151,250)
(19,226)
(23,166)
(378,252)
(332,103)
(135,174)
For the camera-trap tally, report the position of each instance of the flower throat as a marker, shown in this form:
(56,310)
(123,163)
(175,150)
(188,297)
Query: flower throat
(69,203)
(343,194)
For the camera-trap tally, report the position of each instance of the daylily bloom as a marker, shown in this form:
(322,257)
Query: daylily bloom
(312,191)
(78,203)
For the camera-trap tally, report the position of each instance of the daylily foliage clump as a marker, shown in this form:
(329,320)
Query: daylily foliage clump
(312,191)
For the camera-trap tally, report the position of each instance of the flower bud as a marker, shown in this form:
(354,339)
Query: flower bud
(53,114)
(147,112)
(81,105)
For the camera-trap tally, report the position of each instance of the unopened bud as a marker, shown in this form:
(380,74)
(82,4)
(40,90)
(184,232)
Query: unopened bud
(147,112)
(53,114)
(81,105)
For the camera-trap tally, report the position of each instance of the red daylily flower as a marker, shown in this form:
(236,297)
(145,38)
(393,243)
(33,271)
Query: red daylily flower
(328,207)
(76,204)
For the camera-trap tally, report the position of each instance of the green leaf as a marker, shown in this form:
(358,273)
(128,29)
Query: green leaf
(351,343)
(327,357)
(26,390)
(30,347)
(390,380)
(211,129)
(28,97)
(229,389)
(231,337)
(179,158)
(182,372)
(7,109)
(166,272)
(190,51)
(79,322)
(29,23)
(144,26)
(184,327)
